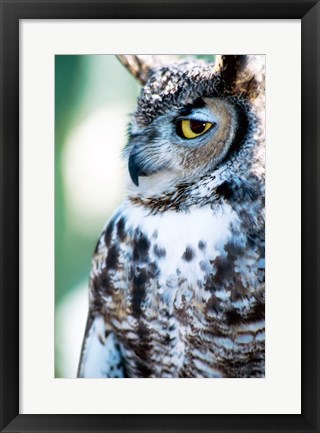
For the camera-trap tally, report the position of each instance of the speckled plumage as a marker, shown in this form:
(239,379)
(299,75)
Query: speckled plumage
(177,282)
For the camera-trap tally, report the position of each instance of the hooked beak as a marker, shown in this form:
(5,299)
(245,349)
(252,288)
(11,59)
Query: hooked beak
(135,169)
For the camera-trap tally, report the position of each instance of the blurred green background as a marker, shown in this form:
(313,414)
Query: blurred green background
(94,95)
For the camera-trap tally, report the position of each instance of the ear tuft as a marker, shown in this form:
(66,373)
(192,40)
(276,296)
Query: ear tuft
(241,73)
(140,66)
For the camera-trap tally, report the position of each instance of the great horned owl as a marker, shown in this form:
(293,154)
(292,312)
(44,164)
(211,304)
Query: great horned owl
(177,281)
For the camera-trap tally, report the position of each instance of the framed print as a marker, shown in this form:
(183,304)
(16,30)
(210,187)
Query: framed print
(182,333)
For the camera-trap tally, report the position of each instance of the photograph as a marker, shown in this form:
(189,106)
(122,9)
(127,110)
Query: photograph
(160,216)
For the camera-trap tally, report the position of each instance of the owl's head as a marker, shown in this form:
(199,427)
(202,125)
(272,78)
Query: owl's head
(194,117)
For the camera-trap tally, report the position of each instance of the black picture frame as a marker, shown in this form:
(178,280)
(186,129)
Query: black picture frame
(14,10)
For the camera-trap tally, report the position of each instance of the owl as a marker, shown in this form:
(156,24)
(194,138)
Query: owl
(177,286)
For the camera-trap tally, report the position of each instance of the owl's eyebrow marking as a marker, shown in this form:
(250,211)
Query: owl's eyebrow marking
(187,109)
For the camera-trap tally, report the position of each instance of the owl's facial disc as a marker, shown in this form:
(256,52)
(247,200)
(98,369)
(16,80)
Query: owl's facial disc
(183,142)
(215,125)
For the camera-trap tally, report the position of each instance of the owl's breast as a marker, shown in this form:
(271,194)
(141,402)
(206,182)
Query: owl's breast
(179,241)
(194,294)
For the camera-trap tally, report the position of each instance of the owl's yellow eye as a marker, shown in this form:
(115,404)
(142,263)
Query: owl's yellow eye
(193,128)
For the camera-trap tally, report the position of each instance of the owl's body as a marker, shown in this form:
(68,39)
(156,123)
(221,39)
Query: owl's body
(177,283)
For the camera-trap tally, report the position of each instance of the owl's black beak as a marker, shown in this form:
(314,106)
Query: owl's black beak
(135,169)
